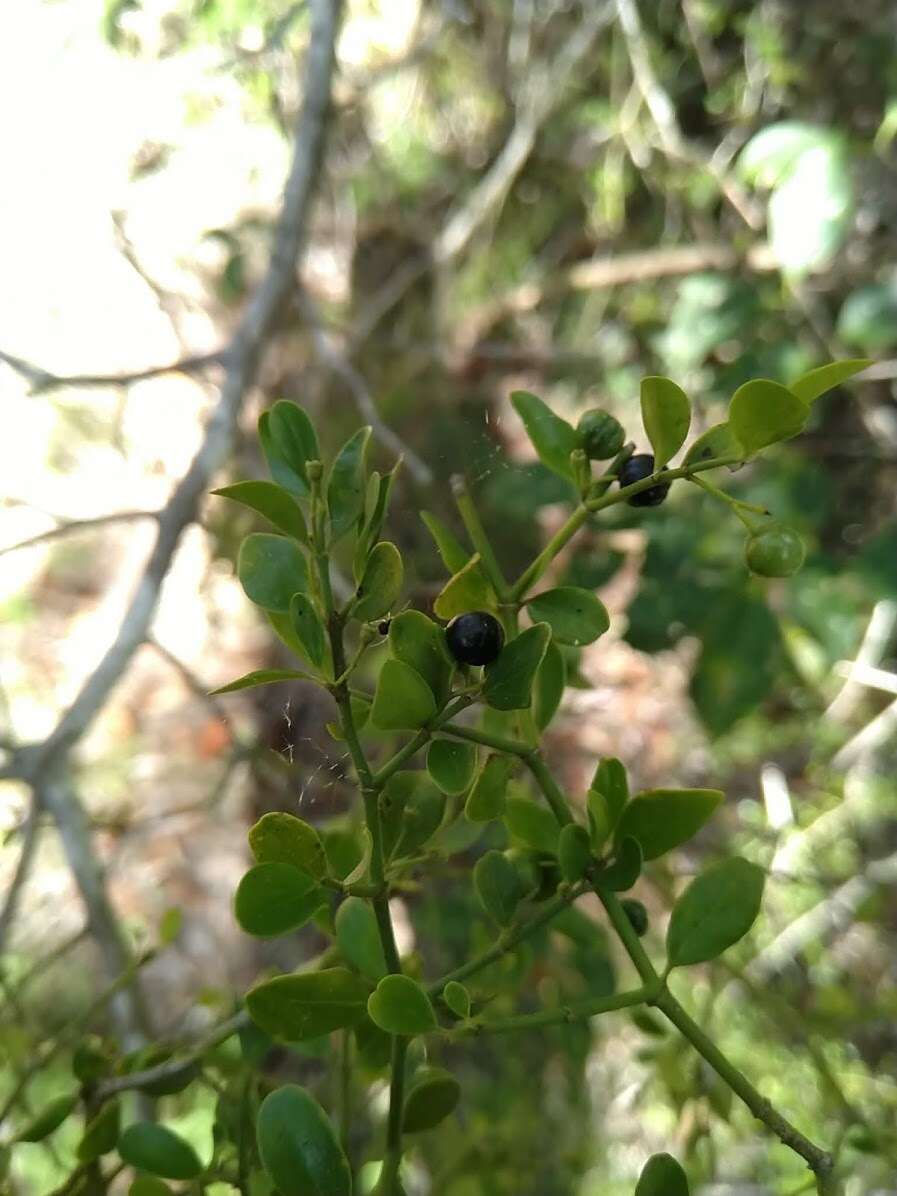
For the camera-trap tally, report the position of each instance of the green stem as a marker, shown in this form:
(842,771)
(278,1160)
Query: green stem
(560,538)
(819,1161)
(739,508)
(509,938)
(574,1012)
(389,1175)
(345,1088)
(478,538)
(599,503)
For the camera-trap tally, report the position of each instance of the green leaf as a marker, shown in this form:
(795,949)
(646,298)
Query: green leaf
(451,764)
(575,616)
(610,780)
(272,501)
(50,1118)
(574,851)
(308,628)
(282,473)
(498,886)
(271,570)
(358,938)
(417,641)
(599,819)
(293,437)
(399,1005)
(717,909)
(403,701)
(763,413)
(305,1005)
(261,677)
(148,1185)
(509,680)
(467,590)
(549,685)
(374,1046)
(382,490)
(345,487)
(487,797)
(552,437)
(662,1176)
(101,1133)
(666,415)
(280,838)
(810,386)
(298,1146)
(156,1149)
(433,1096)
(275,898)
(457,998)
(625,868)
(661,819)
(454,555)
(718,441)
(531,824)
(381,583)
(422,817)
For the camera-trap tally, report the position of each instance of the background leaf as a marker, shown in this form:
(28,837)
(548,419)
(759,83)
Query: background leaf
(345,486)
(575,616)
(157,1149)
(662,1176)
(552,437)
(661,819)
(304,1005)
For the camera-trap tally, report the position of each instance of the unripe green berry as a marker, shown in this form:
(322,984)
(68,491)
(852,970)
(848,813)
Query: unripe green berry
(637,915)
(600,434)
(775,551)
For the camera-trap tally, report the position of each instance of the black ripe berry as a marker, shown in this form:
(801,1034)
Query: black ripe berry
(475,637)
(383,627)
(635,470)
(637,915)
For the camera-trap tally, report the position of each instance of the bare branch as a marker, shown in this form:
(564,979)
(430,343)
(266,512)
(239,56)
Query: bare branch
(243,357)
(73,526)
(22,872)
(42,381)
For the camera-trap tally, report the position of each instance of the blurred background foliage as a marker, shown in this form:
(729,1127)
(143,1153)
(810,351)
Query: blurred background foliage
(533,193)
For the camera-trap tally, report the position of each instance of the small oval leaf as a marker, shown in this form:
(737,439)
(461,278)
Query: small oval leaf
(275,898)
(50,1118)
(532,824)
(716,910)
(718,441)
(271,570)
(417,641)
(549,685)
(359,939)
(575,616)
(498,887)
(399,1005)
(610,781)
(305,1005)
(763,413)
(158,1150)
(101,1133)
(662,1176)
(661,819)
(293,437)
(403,701)
(433,1096)
(346,484)
(381,583)
(509,680)
(306,623)
(457,998)
(281,838)
(808,387)
(666,415)
(486,799)
(298,1146)
(552,437)
(467,590)
(451,764)
(273,501)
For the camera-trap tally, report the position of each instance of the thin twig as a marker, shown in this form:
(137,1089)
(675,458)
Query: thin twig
(71,527)
(27,854)
(43,381)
